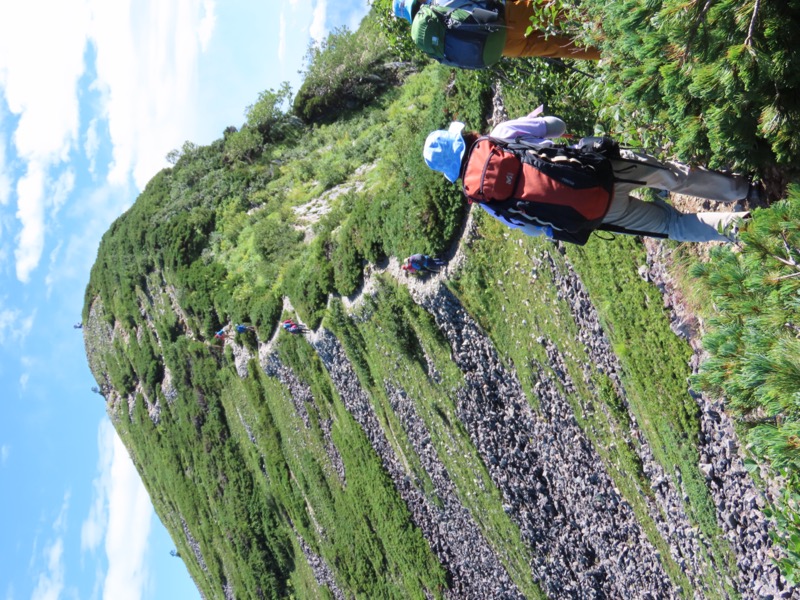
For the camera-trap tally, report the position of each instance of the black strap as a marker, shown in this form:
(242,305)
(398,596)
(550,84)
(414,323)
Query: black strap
(625,230)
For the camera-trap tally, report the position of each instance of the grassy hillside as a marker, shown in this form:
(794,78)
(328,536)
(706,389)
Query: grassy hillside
(280,476)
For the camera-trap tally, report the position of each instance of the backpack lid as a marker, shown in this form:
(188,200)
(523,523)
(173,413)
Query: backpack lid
(428,31)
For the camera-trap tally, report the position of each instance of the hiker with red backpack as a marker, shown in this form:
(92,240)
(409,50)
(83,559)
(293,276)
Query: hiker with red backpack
(294,328)
(416,263)
(474,34)
(520,177)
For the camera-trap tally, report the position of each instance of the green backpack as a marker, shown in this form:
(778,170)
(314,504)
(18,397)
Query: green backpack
(467,38)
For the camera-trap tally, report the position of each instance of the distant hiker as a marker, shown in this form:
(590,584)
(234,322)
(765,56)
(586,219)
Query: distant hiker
(293,327)
(474,34)
(522,179)
(221,335)
(242,328)
(422,262)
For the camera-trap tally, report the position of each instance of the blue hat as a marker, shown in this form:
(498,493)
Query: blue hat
(402,9)
(444,150)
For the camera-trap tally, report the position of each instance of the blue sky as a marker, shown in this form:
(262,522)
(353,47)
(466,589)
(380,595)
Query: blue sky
(93,95)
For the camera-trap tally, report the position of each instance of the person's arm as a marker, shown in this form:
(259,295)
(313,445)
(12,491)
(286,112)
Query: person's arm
(530,128)
(524,226)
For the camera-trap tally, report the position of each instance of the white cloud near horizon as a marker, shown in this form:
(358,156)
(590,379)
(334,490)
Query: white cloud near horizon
(30,213)
(61,189)
(96,211)
(5,177)
(93,529)
(120,516)
(14,326)
(146,64)
(208,23)
(319,22)
(39,86)
(50,581)
(91,145)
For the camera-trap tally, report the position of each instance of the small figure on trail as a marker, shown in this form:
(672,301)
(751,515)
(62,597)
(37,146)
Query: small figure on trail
(474,34)
(293,327)
(221,335)
(243,328)
(525,181)
(422,262)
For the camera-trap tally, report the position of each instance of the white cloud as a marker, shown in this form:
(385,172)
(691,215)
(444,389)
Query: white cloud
(50,582)
(94,527)
(5,452)
(60,192)
(14,326)
(147,66)
(207,24)
(319,28)
(121,513)
(60,524)
(96,211)
(40,82)
(146,63)
(5,178)
(92,144)
(50,279)
(27,363)
(30,212)
(8,319)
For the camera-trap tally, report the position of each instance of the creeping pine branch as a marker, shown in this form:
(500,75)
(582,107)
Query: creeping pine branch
(700,19)
(749,39)
(789,261)
(789,276)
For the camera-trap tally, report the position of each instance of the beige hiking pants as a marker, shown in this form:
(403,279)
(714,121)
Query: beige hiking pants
(636,170)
